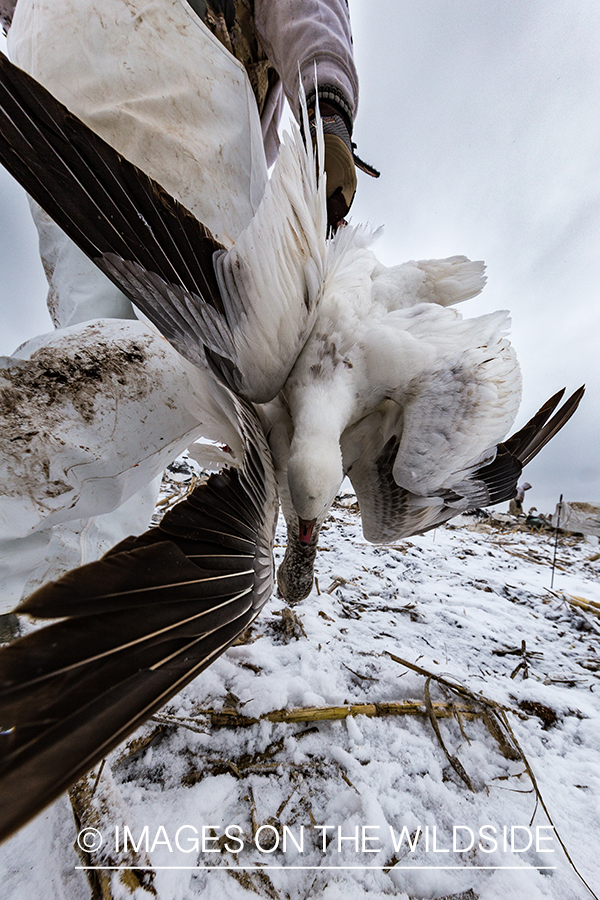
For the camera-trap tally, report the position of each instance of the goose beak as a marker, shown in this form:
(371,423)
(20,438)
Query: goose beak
(305,529)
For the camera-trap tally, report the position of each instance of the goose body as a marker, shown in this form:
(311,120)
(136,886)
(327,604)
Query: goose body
(319,362)
(457,383)
(385,339)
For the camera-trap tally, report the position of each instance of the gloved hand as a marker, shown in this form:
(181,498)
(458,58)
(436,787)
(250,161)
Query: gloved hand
(340,160)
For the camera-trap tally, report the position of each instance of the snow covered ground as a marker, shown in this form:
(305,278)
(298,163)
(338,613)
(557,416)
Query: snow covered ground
(469,602)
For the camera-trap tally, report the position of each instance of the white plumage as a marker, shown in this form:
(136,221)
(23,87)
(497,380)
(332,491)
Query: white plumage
(334,334)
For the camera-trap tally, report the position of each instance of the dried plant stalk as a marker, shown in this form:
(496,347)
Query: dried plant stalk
(97,804)
(590,606)
(139,743)
(453,760)
(233,719)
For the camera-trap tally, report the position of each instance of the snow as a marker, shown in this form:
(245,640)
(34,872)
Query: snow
(452,602)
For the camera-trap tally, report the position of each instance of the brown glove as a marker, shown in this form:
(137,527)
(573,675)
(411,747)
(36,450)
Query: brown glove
(340,160)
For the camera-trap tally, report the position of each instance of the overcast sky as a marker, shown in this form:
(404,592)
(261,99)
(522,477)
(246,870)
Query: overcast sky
(483,118)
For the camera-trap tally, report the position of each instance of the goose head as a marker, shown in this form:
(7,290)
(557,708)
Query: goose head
(315,474)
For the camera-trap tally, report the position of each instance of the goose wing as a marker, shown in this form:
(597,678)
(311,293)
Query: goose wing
(497,481)
(390,512)
(435,447)
(442,281)
(247,310)
(458,383)
(135,627)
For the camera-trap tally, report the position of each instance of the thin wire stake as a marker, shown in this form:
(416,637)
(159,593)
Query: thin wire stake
(556,540)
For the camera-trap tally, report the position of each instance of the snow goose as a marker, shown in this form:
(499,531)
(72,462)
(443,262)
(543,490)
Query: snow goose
(339,349)
(327,363)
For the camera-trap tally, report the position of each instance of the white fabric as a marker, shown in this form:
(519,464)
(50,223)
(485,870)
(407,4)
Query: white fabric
(77,289)
(91,415)
(152,80)
(165,93)
(29,562)
(296,36)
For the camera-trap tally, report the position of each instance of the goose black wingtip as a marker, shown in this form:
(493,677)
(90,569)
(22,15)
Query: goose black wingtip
(132,629)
